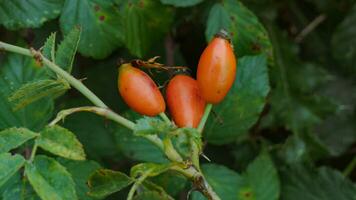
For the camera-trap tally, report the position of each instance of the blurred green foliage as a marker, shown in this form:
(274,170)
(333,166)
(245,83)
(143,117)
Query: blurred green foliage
(287,130)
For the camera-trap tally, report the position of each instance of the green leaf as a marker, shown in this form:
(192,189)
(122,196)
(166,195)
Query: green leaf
(100,22)
(62,142)
(137,148)
(291,104)
(50,180)
(151,126)
(15,71)
(34,91)
(145,23)
(266,188)
(67,49)
(49,47)
(9,165)
(181,3)
(18,187)
(94,132)
(171,181)
(225,182)
(149,186)
(241,108)
(104,182)
(344,42)
(259,182)
(248,34)
(80,171)
(18,14)
(152,169)
(14,137)
(182,139)
(151,195)
(324,183)
(294,150)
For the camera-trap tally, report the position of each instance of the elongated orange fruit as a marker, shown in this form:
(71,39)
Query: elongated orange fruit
(216,69)
(139,91)
(184,101)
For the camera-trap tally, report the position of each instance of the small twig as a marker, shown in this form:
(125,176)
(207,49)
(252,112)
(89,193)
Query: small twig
(165,118)
(308,29)
(169,47)
(105,112)
(350,167)
(137,183)
(33,152)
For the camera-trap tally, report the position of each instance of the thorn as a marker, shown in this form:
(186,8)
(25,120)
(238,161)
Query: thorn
(206,157)
(83,79)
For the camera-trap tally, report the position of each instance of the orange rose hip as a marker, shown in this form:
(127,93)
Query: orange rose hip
(184,101)
(216,69)
(139,91)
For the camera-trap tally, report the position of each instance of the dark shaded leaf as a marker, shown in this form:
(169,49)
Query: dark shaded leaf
(145,22)
(248,34)
(100,22)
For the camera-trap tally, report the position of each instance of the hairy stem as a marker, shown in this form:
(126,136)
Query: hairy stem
(205,117)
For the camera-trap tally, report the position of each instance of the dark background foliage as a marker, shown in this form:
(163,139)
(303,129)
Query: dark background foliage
(287,129)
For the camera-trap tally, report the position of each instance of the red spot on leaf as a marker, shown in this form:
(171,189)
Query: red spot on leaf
(102,18)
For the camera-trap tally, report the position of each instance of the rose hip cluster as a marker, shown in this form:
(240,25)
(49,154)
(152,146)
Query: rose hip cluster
(186,97)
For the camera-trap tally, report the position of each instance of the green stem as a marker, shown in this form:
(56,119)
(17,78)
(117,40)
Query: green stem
(350,167)
(164,117)
(33,152)
(205,117)
(195,154)
(105,112)
(65,75)
(171,152)
(137,183)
